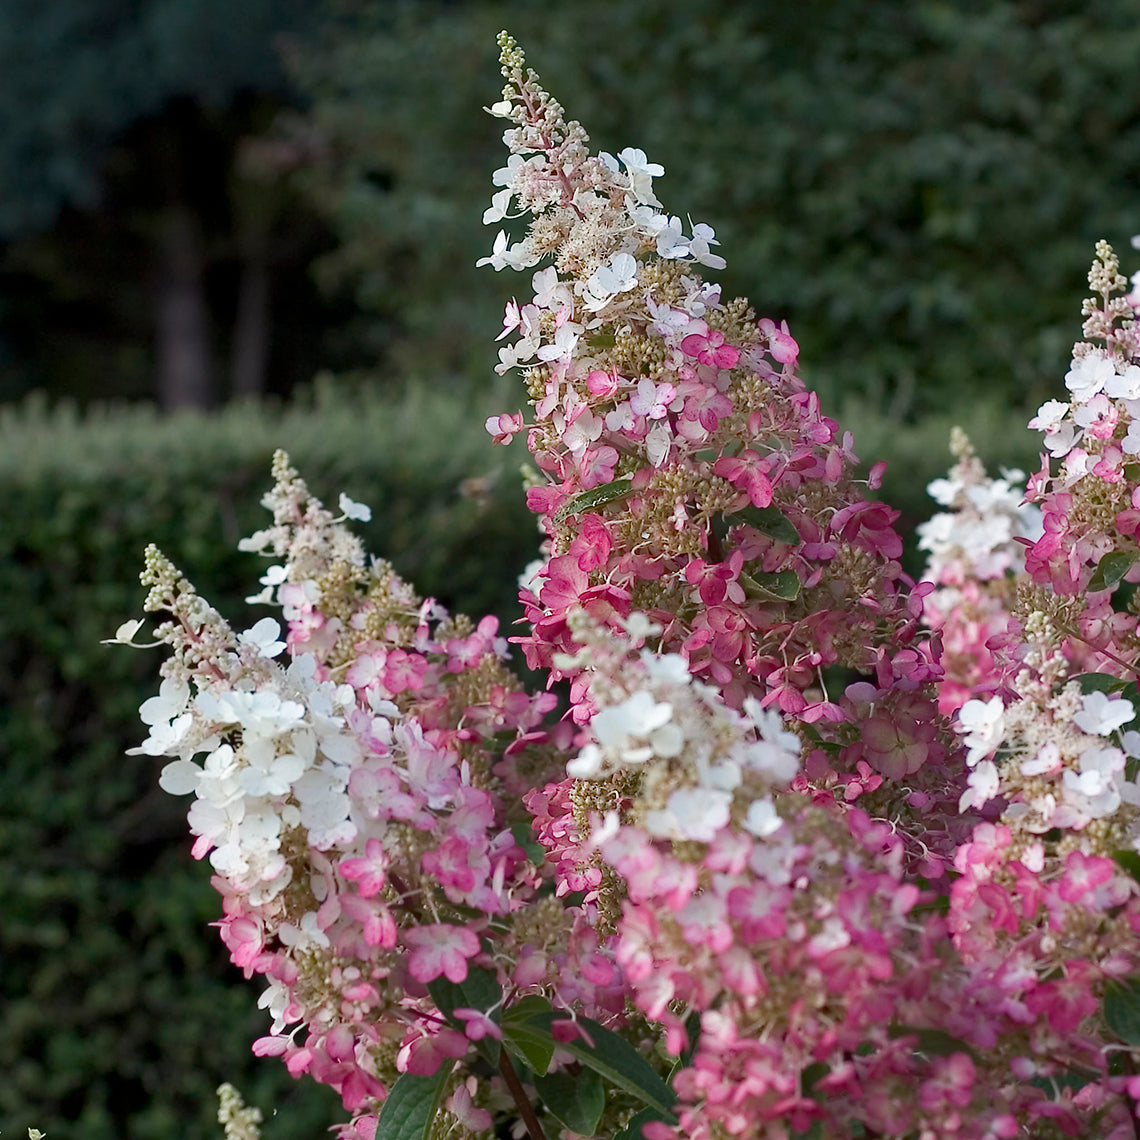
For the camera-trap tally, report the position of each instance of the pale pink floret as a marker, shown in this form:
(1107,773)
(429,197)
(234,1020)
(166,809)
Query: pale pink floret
(369,871)
(478,1025)
(504,427)
(440,949)
(421,1055)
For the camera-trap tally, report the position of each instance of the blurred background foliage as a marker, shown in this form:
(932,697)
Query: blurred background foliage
(202,205)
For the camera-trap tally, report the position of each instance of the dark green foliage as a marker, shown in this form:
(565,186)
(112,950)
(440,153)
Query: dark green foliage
(410,1110)
(916,187)
(77,73)
(130,191)
(120,1013)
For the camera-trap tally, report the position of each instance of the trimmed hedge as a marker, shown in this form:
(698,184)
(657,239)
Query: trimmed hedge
(120,1012)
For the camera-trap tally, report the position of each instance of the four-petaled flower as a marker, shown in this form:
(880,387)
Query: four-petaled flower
(440,949)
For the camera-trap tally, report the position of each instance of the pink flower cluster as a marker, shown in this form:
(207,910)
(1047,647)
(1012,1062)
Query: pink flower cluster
(352,805)
(813,851)
(1091,505)
(975,558)
(690,475)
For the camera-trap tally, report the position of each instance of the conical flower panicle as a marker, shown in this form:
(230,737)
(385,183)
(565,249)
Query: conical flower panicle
(686,471)
(357,806)
(976,560)
(1091,504)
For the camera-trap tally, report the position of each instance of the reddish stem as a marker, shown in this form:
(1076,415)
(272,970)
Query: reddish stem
(522,1102)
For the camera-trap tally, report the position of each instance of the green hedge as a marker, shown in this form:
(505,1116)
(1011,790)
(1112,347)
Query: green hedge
(120,1014)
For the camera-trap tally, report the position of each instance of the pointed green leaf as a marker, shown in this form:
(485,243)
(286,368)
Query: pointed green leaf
(1110,570)
(530,1044)
(577,1099)
(693,1029)
(524,837)
(614,1059)
(1122,1009)
(479,990)
(632,1131)
(412,1103)
(595,497)
(525,1008)
(783,586)
(934,1042)
(1102,683)
(771,521)
(1129,861)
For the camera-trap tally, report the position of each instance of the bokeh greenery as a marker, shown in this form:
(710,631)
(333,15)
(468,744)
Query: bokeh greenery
(915,187)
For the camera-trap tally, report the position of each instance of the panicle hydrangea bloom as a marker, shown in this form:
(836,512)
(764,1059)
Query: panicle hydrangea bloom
(1091,503)
(351,802)
(774,935)
(1044,912)
(687,473)
(974,560)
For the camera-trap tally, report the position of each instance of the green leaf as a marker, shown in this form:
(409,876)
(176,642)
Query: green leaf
(577,1099)
(479,990)
(1102,683)
(770,521)
(595,497)
(632,1131)
(525,1008)
(783,586)
(1072,1082)
(934,1042)
(815,1132)
(1122,1009)
(1129,861)
(615,1059)
(529,1044)
(412,1103)
(1110,570)
(693,1029)
(524,837)
(811,1074)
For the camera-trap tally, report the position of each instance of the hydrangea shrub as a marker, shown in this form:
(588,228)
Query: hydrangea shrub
(791,845)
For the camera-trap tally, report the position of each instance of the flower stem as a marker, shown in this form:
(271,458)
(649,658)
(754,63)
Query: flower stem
(526,1109)
(1129,1066)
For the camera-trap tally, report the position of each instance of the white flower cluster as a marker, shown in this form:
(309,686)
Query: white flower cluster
(596,214)
(1104,389)
(1064,771)
(303,529)
(700,759)
(276,757)
(979,532)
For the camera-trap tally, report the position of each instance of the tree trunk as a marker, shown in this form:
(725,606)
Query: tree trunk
(250,357)
(182,324)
